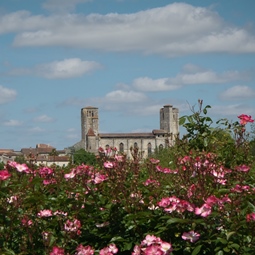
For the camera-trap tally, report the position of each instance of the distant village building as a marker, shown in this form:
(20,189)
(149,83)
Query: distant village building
(42,154)
(92,139)
(8,155)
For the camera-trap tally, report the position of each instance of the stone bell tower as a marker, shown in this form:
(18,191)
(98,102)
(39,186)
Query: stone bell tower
(169,120)
(89,127)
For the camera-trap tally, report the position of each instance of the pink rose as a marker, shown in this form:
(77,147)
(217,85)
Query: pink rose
(244,119)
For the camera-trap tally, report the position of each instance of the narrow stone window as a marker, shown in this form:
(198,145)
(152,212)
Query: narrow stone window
(161,147)
(149,149)
(121,147)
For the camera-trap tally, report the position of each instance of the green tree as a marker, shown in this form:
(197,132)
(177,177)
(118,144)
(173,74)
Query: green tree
(54,153)
(20,159)
(81,156)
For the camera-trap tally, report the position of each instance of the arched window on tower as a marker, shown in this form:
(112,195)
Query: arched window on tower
(161,147)
(149,149)
(121,148)
(135,145)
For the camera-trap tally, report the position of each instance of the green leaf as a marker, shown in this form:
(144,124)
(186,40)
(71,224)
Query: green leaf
(226,249)
(190,119)
(7,252)
(116,238)
(197,250)
(52,240)
(219,253)
(175,220)
(230,234)
(252,205)
(235,246)
(222,240)
(182,120)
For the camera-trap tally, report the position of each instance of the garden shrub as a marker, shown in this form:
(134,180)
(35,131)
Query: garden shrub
(198,200)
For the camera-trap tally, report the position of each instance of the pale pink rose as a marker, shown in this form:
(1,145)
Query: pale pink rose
(12,199)
(84,250)
(190,236)
(72,226)
(19,167)
(212,200)
(136,250)
(44,213)
(153,250)
(154,161)
(60,213)
(70,175)
(45,171)
(150,239)
(22,168)
(108,164)
(99,178)
(243,168)
(166,247)
(119,158)
(164,202)
(26,221)
(204,210)
(104,251)
(113,248)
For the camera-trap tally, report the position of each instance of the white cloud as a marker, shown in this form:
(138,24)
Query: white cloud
(23,21)
(175,29)
(191,75)
(62,5)
(231,110)
(67,68)
(148,84)
(13,123)
(207,76)
(238,93)
(119,96)
(36,130)
(43,118)
(147,110)
(7,95)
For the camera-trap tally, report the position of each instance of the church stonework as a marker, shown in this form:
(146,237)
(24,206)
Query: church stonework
(92,140)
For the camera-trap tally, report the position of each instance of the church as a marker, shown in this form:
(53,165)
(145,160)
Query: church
(92,139)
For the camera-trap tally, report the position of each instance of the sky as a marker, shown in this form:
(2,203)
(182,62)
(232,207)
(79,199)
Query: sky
(129,58)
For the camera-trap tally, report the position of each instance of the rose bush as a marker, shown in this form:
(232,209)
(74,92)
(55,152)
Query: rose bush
(198,199)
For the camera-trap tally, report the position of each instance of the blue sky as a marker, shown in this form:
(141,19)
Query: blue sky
(126,57)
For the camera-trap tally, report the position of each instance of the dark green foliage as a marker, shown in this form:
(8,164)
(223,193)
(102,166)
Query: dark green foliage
(20,159)
(2,165)
(120,202)
(83,157)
